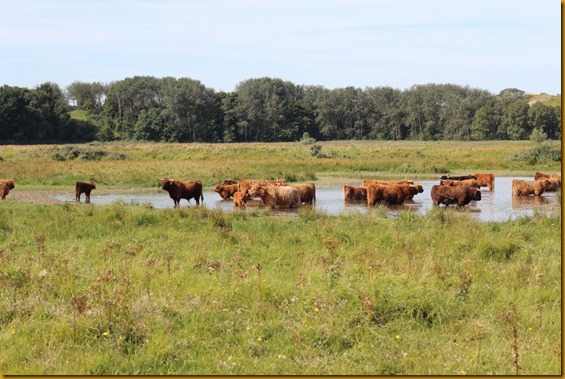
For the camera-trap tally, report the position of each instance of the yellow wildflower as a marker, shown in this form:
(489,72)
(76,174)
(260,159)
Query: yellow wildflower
(397,336)
(106,333)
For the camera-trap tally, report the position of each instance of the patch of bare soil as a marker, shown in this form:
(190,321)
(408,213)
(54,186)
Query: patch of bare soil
(38,196)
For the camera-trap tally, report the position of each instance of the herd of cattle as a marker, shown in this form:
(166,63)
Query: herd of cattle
(458,190)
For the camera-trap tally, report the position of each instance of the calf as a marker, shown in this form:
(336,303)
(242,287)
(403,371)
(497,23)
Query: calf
(83,187)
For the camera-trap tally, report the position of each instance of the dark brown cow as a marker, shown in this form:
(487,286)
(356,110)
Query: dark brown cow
(226,190)
(86,188)
(528,187)
(462,177)
(460,195)
(354,193)
(5,187)
(239,199)
(485,180)
(389,194)
(307,192)
(276,196)
(183,190)
(464,182)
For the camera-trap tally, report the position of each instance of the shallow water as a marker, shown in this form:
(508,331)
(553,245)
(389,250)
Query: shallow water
(496,205)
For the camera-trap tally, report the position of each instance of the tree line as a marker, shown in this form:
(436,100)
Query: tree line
(266,109)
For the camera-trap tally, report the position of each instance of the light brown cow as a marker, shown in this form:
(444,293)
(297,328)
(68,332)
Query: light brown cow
(239,199)
(528,187)
(183,190)
(389,194)
(5,187)
(226,190)
(368,182)
(245,184)
(307,192)
(410,189)
(84,187)
(354,193)
(555,180)
(485,180)
(465,182)
(276,196)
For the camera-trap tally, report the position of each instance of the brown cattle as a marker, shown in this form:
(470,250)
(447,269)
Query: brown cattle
(239,199)
(462,177)
(528,187)
(465,182)
(5,187)
(485,180)
(276,196)
(389,194)
(353,193)
(229,181)
(83,187)
(307,192)
(555,180)
(226,190)
(183,190)
(460,195)
(245,184)
(368,182)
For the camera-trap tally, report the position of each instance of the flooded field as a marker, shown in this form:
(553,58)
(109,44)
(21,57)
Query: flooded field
(496,205)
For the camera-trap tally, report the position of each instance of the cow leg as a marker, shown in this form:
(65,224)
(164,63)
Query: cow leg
(87,195)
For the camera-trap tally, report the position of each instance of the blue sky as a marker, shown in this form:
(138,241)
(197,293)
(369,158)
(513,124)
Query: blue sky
(486,44)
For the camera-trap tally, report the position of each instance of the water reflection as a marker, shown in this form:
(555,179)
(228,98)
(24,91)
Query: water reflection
(496,205)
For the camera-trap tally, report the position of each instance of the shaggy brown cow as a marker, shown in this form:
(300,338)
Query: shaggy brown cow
(460,195)
(368,182)
(226,190)
(276,196)
(555,180)
(239,199)
(465,182)
(5,187)
(389,194)
(485,180)
(528,187)
(307,192)
(245,184)
(183,190)
(354,193)
(84,187)
(462,177)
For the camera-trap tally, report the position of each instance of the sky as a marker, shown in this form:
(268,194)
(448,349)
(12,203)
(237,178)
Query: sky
(485,44)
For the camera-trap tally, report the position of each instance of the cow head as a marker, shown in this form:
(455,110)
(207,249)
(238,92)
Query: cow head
(477,194)
(166,183)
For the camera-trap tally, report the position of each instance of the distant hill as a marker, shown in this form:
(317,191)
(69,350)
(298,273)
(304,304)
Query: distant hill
(546,99)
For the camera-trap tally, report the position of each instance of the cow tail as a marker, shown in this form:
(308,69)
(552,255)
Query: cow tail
(202,196)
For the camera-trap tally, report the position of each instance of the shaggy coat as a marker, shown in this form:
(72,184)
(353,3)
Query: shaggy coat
(389,194)
(465,182)
(555,180)
(485,180)
(354,193)
(307,193)
(239,199)
(459,195)
(226,190)
(245,184)
(276,196)
(6,186)
(528,187)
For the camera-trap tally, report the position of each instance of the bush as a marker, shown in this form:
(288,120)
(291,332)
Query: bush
(539,154)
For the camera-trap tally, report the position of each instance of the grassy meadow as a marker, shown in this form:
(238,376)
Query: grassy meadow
(128,289)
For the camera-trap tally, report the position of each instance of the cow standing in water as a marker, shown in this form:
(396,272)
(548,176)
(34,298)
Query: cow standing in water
(83,187)
(183,190)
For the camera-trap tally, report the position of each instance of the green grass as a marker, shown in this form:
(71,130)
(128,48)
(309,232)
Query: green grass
(126,289)
(141,164)
(123,289)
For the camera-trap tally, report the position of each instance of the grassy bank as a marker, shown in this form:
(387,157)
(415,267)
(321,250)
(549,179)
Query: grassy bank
(132,290)
(139,165)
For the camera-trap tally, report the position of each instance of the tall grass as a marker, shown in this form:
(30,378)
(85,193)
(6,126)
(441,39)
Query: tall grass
(121,289)
(141,164)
